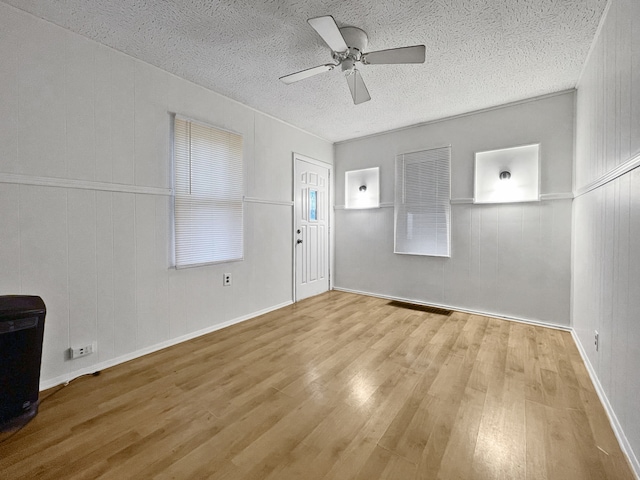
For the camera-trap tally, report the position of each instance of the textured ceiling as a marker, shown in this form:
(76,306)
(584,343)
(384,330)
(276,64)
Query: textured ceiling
(480,53)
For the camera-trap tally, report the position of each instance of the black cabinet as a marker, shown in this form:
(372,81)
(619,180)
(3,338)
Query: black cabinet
(21,333)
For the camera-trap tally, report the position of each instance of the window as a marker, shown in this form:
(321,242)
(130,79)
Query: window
(422,203)
(208,226)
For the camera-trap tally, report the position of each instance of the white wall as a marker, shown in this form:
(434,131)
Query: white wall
(606,239)
(85,205)
(511,259)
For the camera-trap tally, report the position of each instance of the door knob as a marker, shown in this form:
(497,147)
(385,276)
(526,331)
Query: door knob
(299,241)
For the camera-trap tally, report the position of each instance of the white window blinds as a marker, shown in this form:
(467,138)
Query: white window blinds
(422,203)
(208,188)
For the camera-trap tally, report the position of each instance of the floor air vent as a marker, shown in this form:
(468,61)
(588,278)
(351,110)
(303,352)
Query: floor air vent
(421,308)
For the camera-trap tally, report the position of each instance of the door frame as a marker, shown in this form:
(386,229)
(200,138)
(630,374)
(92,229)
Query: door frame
(297,156)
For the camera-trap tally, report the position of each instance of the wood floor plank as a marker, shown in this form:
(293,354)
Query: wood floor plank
(239,431)
(285,434)
(383,406)
(457,459)
(501,444)
(338,386)
(383,464)
(536,430)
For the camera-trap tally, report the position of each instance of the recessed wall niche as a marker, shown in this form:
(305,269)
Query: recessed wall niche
(362,188)
(507,175)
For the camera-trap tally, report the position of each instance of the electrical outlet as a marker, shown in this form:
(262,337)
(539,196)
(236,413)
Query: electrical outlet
(226,279)
(83,351)
(597,340)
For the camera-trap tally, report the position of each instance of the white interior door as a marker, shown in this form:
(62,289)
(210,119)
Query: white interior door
(311,235)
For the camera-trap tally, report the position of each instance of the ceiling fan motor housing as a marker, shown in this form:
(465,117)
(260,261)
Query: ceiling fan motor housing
(355,38)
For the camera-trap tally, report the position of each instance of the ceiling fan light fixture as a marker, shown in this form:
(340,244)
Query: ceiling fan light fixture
(348,66)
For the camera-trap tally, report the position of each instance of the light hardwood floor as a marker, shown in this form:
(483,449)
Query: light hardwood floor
(338,386)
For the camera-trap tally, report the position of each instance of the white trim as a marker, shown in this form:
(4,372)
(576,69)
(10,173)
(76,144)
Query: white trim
(381,205)
(82,184)
(620,170)
(319,163)
(613,419)
(343,207)
(507,202)
(52,382)
(469,201)
(266,201)
(435,255)
(556,196)
(528,321)
(206,264)
(454,117)
(543,197)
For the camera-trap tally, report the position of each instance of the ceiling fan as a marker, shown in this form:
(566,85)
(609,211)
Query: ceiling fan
(347,45)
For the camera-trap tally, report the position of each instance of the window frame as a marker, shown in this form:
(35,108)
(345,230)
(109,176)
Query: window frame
(237,199)
(398,202)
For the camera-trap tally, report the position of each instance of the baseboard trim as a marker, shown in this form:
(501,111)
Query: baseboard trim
(458,309)
(613,419)
(52,382)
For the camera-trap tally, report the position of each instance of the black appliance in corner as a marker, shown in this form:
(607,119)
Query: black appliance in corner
(21,333)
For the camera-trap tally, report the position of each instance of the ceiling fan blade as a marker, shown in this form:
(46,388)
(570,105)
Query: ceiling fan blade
(414,54)
(328,29)
(358,89)
(309,72)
